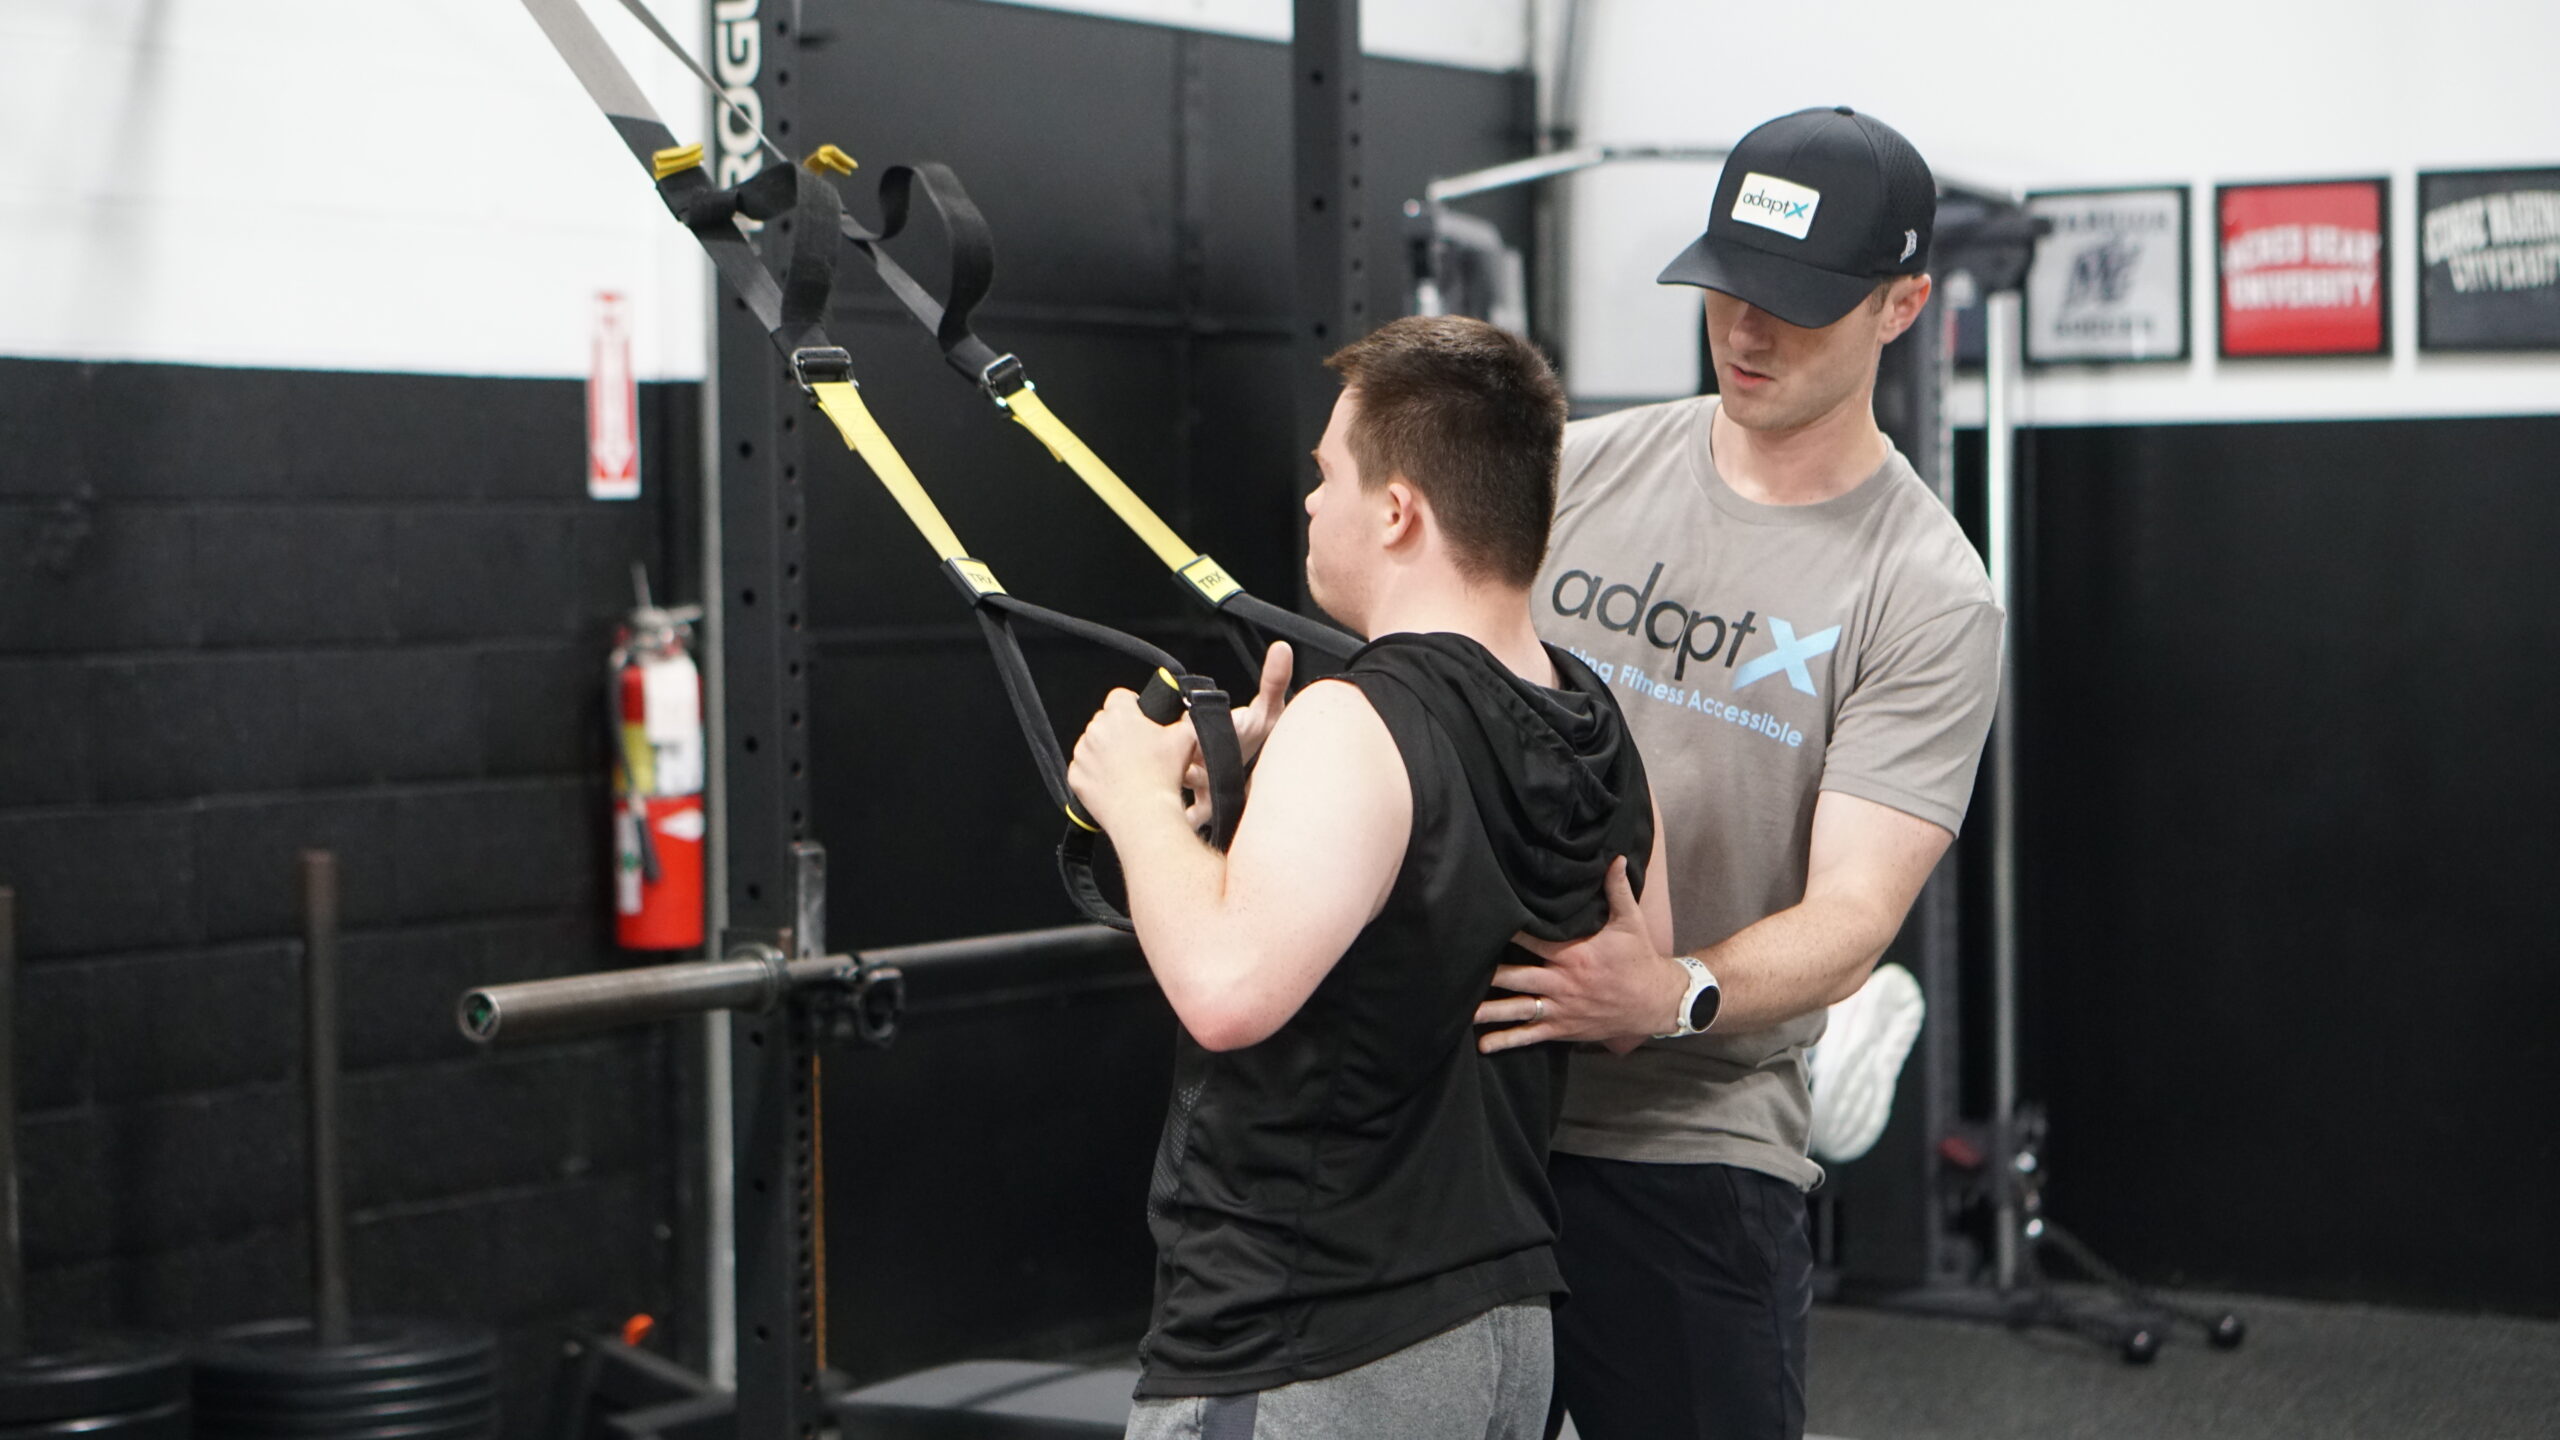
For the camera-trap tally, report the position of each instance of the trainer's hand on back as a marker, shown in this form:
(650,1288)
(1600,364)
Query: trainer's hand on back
(1611,986)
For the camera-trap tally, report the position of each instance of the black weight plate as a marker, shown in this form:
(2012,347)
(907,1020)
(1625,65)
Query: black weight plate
(339,1420)
(90,1377)
(283,1353)
(483,1426)
(272,1394)
(480,1426)
(161,1422)
(306,1390)
(285,1400)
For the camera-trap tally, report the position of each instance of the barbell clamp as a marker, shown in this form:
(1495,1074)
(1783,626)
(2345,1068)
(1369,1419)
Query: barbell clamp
(858,1001)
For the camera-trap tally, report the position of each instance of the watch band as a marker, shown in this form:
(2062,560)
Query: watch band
(1701,980)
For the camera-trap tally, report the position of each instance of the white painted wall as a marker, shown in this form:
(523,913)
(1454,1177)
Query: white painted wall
(1481,34)
(402,185)
(2027,94)
(398,185)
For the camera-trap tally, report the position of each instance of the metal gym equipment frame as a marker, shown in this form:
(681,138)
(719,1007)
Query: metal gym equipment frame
(773,992)
(1990,248)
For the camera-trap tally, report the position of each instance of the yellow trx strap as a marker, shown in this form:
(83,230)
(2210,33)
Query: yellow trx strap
(843,405)
(1202,573)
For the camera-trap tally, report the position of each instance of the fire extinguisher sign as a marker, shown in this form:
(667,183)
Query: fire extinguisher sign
(613,406)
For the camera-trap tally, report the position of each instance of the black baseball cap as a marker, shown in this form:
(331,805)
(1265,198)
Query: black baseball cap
(1812,210)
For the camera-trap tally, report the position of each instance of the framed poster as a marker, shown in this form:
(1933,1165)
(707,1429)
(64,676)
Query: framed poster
(2109,281)
(2489,260)
(2304,267)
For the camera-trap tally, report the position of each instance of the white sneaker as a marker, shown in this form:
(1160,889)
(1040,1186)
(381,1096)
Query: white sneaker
(1855,1068)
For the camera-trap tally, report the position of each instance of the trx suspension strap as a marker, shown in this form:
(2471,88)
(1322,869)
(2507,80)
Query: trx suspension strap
(793,311)
(1003,379)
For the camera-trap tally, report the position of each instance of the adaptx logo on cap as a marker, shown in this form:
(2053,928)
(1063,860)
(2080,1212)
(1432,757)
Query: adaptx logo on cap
(1871,192)
(1775,204)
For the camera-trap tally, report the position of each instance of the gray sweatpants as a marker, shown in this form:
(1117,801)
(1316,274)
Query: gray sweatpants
(1485,1380)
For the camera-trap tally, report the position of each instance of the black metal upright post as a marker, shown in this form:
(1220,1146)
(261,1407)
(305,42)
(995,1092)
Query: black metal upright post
(330,1325)
(13,1279)
(764,669)
(1332,248)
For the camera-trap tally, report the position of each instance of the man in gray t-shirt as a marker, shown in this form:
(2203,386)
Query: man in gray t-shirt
(1807,650)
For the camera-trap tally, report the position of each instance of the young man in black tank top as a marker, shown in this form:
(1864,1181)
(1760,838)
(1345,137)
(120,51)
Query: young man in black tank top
(1354,1230)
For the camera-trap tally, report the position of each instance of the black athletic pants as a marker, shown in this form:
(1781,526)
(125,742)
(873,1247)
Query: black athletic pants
(1691,1284)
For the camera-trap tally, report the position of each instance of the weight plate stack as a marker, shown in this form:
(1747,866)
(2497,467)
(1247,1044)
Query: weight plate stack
(127,1389)
(392,1380)
(161,1422)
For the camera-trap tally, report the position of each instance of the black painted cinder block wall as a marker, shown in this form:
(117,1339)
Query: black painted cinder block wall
(247,612)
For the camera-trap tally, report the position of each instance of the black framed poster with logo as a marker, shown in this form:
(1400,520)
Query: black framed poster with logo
(2489,260)
(2109,280)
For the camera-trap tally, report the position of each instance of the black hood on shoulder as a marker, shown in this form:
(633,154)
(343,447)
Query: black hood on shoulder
(1554,773)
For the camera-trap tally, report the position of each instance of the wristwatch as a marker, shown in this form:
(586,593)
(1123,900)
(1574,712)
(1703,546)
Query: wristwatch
(1699,1003)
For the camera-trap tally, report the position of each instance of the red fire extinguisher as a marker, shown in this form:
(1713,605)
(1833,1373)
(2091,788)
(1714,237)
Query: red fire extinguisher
(655,702)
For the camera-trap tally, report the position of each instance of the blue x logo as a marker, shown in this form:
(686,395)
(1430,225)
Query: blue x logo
(1789,656)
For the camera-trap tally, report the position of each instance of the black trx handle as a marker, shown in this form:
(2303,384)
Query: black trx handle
(1164,700)
(826,375)
(1169,693)
(1083,839)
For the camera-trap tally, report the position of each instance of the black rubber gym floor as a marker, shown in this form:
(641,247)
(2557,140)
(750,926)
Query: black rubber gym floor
(2306,1372)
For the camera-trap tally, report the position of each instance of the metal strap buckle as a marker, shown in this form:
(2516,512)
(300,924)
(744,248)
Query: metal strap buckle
(814,365)
(1003,376)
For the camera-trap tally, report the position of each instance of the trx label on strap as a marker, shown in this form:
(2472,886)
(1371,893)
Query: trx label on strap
(1209,578)
(973,577)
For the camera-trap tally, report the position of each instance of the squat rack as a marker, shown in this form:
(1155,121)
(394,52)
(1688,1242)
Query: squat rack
(771,991)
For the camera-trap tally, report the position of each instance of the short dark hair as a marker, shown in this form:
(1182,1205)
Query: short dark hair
(1473,416)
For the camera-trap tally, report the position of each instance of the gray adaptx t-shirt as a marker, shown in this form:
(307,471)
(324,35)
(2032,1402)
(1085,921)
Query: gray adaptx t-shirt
(1762,654)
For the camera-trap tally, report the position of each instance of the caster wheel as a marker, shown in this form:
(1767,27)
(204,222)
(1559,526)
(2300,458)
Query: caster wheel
(2140,1347)
(2227,1333)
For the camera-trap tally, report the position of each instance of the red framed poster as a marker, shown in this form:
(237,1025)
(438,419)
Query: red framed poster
(2305,268)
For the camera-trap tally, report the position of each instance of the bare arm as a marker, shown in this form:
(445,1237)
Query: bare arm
(1656,903)
(1867,864)
(1240,940)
